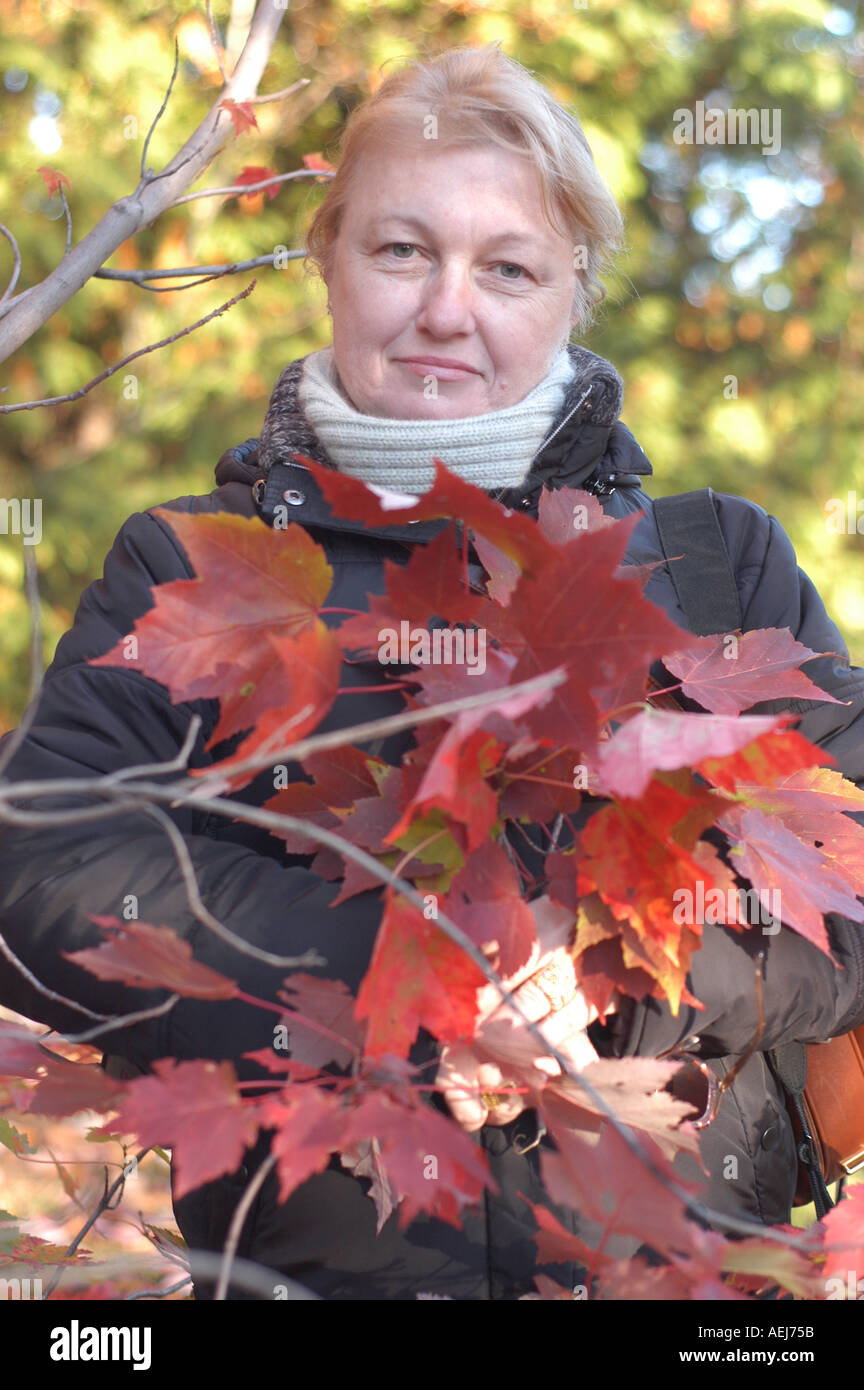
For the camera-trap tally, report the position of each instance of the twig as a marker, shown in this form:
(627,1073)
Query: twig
(254,187)
(140,352)
(217,46)
(6,950)
(112,1025)
(31,587)
(377,728)
(280,96)
(237,1220)
(174,764)
(144,174)
(308,960)
(16,264)
(68,215)
(208,273)
(104,1203)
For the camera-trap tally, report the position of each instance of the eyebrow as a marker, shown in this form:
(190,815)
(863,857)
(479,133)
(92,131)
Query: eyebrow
(500,238)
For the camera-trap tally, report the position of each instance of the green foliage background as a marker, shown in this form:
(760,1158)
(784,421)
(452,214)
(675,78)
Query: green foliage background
(738,265)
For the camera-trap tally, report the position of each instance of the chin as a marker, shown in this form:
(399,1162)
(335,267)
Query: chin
(420,407)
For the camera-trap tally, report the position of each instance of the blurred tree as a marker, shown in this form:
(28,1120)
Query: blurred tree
(734,316)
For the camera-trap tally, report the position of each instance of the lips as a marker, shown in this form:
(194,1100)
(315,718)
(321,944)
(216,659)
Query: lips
(440,362)
(442,368)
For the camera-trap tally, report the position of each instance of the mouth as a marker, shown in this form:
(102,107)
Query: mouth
(444,368)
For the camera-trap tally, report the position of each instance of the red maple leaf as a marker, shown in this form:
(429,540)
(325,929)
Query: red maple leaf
(660,740)
(761,665)
(485,901)
(67,1087)
(565,514)
(316,161)
(843,1243)
(455,780)
(639,854)
(330,1003)
(266,655)
(311,1124)
(257,173)
(766,761)
(432,1165)
(417,978)
(53,179)
(150,957)
(195,1109)
(801,880)
(577,613)
(449,497)
(241,113)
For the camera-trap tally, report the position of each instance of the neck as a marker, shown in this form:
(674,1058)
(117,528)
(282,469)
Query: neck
(492,450)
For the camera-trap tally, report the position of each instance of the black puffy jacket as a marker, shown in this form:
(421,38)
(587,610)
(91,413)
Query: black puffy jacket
(93,721)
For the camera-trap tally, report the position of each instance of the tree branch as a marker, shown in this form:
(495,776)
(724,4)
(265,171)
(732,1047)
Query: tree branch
(160,112)
(16,264)
(254,187)
(217,46)
(207,272)
(129,215)
(237,1220)
(140,352)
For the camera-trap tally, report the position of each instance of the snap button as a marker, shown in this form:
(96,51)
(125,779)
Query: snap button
(770,1137)
(293,497)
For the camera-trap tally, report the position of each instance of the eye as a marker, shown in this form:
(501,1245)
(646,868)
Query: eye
(509,265)
(403,245)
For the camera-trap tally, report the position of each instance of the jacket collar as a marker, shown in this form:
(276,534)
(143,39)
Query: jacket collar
(586,447)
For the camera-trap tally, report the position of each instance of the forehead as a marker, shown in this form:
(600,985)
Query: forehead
(426,187)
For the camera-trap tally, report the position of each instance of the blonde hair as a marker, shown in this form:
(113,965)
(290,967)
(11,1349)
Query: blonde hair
(477,96)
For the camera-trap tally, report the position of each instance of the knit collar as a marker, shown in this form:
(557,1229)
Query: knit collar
(587,438)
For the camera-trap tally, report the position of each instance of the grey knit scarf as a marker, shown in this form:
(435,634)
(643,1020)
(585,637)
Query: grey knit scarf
(286,429)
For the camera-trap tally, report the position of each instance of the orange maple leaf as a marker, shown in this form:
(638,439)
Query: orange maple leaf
(241,114)
(53,178)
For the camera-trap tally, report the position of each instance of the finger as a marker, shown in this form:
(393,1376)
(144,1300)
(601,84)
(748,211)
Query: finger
(577,1050)
(464,1078)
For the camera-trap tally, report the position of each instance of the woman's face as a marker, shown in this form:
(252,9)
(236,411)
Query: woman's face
(445,253)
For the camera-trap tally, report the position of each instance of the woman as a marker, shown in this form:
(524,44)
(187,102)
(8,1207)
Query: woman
(444,345)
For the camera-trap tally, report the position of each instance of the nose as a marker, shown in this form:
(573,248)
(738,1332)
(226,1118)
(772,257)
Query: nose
(447,303)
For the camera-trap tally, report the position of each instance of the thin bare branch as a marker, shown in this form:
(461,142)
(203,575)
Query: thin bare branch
(68,216)
(280,96)
(202,914)
(159,113)
(114,1023)
(16,264)
(175,764)
(207,272)
(253,187)
(376,728)
(140,352)
(240,1213)
(6,950)
(217,46)
(104,1202)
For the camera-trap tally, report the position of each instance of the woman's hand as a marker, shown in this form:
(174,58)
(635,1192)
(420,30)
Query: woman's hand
(547,992)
